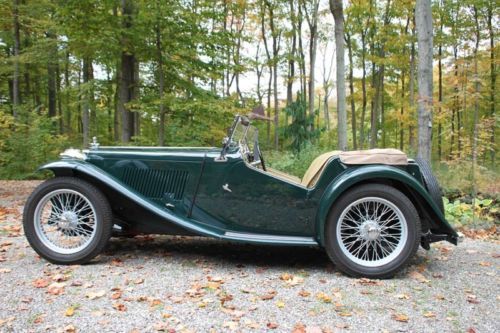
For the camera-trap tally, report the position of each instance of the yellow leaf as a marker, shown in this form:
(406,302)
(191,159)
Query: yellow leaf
(280,304)
(429,314)
(70,312)
(323,297)
(400,317)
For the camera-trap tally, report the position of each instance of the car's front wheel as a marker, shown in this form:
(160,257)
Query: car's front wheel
(67,220)
(373,230)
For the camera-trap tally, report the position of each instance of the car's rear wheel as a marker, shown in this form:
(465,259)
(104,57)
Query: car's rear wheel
(67,220)
(373,230)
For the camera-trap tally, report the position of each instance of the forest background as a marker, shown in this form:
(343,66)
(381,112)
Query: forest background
(176,72)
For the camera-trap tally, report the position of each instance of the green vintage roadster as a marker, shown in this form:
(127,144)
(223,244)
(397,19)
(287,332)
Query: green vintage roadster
(369,210)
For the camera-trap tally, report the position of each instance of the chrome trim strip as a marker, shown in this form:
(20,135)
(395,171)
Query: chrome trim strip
(270,238)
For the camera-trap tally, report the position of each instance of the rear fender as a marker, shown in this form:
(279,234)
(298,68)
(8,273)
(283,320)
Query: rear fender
(355,176)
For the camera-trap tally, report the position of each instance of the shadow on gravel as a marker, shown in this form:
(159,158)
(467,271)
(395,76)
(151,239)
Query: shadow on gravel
(218,252)
(223,253)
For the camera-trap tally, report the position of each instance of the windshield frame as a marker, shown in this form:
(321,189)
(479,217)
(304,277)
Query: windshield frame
(238,137)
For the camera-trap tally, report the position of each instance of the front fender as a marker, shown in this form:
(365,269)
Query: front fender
(76,167)
(353,176)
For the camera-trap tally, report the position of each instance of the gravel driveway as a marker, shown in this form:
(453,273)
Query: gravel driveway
(182,284)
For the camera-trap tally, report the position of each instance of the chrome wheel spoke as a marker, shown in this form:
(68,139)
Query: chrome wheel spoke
(65,221)
(372,231)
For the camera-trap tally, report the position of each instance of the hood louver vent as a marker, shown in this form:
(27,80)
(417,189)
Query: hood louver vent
(157,184)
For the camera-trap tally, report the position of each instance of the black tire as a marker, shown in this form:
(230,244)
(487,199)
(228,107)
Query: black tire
(407,251)
(103,220)
(431,183)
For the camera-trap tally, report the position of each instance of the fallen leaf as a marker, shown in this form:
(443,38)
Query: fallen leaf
(403,296)
(418,276)
(304,293)
(139,281)
(268,296)
(345,314)
(70,312)
(119,307)
(323,297)
(69,329)
(232,325)
(400,317)
(95,294)
(59,278)
(299,328)
(116,295)
(280,304)
(272,326)
(5,321)
(155,302)
(485,264)
(369,282)
(5,270)
(56,288)
(429,314)
(472,299)
(40,283)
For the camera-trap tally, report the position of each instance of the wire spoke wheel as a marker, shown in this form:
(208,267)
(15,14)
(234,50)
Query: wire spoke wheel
(372,231)
(65,221)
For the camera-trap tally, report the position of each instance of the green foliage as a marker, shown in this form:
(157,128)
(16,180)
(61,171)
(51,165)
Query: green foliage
(25,146)
(299,130)
(294,163)
(485,212)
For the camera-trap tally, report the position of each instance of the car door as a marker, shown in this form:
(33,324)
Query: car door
(246,199)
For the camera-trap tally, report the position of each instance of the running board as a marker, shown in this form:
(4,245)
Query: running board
(269,239)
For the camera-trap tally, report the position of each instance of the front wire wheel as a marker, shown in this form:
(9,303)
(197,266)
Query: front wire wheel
(373,231)
(67,220)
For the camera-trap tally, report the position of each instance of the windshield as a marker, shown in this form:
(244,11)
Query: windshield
(244,137)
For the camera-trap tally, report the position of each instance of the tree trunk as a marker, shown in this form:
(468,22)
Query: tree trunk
(440,86)
(127,75)
(270,68)
(291,56)
(16,97)
(87,100)
(411,88)
(363,88)
(51,88)
(336,7)
(493,76)
(275,37)
(312,20)
(161,86)
(302,61)
(476,109)
(351,91)
(401,123)
(423,17)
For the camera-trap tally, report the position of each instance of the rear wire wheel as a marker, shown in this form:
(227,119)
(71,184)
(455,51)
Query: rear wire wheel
(373,230)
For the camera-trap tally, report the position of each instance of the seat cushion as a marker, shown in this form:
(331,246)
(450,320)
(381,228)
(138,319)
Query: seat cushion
(314,171)
(387,156)
(283,175)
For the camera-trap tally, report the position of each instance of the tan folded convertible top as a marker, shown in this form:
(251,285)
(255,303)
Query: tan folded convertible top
(374,156)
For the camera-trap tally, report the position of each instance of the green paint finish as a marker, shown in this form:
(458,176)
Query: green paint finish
(230,199)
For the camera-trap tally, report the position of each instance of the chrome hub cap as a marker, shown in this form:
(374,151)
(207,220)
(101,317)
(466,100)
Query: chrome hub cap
(372,231)
(68,221)
(65,221)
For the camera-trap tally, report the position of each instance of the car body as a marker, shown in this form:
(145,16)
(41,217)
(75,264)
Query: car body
(228,193)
